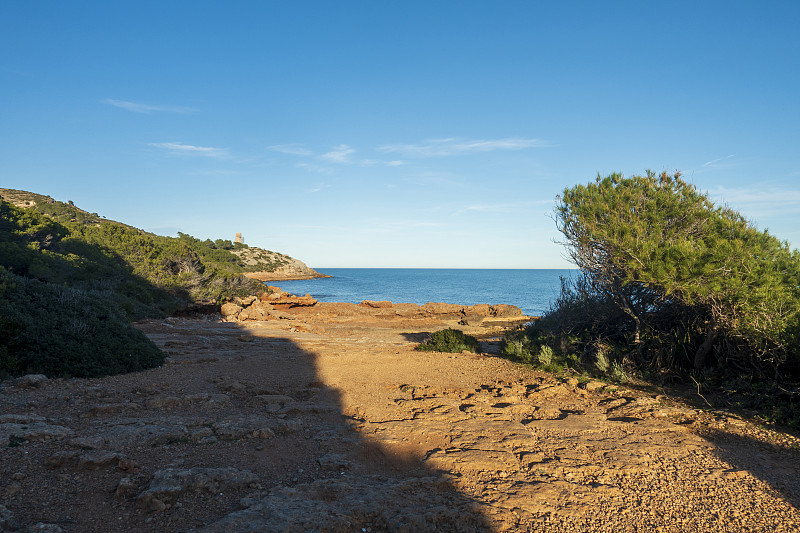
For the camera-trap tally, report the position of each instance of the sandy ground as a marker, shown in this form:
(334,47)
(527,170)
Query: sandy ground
(332,422)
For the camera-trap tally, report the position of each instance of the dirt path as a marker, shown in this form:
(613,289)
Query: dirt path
(334,423)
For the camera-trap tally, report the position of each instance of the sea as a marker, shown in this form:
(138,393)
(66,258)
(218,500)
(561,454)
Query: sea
(532,290)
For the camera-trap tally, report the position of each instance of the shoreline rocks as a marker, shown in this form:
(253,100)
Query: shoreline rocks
(269,305)
(285,273)
(277,304)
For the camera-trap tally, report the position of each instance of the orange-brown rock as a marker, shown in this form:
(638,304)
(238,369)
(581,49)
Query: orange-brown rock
(381,304)
(230,310)
(289,300)
(506,311)
(437,308)
(258,310)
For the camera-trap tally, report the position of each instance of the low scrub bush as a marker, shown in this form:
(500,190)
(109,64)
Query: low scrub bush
(532,345)
(65,332)
(450,341)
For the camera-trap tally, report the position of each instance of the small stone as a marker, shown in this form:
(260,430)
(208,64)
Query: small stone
(44,528)
(10,490)
(594,386)
(157,505)
(7,522)
(32,380)
(125,487)
(126,465)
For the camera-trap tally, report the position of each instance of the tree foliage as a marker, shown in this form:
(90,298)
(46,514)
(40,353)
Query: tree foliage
(669,282)
(655,243)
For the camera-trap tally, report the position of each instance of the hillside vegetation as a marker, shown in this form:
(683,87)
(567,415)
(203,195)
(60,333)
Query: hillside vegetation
(71,282)
(673,287)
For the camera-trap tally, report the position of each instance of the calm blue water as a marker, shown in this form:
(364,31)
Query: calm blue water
(531,290)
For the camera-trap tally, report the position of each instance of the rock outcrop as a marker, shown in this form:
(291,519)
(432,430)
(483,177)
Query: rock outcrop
(444,310)
(168,484)
(286,267)
(267,306)
(276,304)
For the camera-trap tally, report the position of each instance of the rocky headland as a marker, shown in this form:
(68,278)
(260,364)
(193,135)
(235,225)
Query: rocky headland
(285,414)
(283,266)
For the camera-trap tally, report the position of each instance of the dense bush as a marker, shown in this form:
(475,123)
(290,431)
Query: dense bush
(59,331)
(451,341)
(669,284)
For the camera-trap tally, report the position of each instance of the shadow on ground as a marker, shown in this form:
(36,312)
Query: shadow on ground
(776,465)
(344,482)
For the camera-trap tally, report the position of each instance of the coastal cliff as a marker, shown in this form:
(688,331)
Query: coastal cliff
(285,268)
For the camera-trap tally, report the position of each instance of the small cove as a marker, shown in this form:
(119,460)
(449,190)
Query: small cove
(532,290)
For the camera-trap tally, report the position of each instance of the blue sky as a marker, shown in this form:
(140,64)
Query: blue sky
(395,134)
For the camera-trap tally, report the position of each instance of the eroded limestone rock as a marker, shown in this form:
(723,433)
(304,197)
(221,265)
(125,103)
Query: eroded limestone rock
(167,485)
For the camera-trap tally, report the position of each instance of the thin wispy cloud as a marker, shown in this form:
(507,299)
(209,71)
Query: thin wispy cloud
(138,107)
(401,226)
(339,154)
(492,208)
(504,207)
(291,149)
(433,178)
(454,146)
(190,149)
(716,162)
(319,187)
(776,198)
(314,168)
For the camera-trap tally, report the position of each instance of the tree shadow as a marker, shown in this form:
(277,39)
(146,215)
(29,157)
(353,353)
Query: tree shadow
(416,336)
(489,343)
(777,466)
(336,478)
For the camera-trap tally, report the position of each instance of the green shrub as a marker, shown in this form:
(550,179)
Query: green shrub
(669,268)
(545,356)
(63,332)
(451,341)
(533,346)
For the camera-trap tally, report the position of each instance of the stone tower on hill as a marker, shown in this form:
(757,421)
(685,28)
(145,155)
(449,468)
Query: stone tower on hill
(238,237)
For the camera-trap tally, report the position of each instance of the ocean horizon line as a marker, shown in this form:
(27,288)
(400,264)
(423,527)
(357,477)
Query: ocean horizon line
(443,268)
(532,290)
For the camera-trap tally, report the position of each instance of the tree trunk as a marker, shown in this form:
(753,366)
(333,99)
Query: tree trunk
(705,348)
(623,304)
